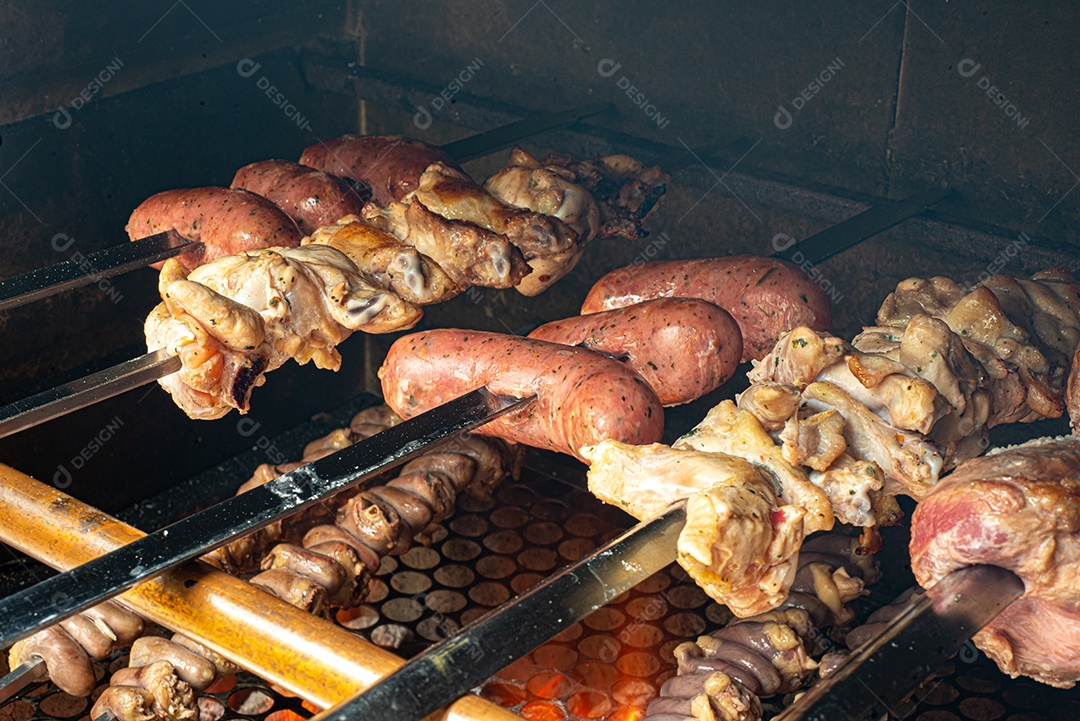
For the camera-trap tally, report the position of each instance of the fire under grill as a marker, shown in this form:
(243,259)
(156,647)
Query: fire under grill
(490,550)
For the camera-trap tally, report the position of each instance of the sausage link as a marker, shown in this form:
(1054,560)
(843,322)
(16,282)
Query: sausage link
(66,661)
(582,397)
(682,347)
(390,165)
(311,197)
(766,296)
(226,220)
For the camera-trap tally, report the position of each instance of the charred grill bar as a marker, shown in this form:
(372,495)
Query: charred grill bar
(179,105)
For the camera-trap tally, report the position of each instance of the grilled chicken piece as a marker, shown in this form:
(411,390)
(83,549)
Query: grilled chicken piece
(908,459)
(1017,508)
(728,429)
(414,277)
(739,542)
(546,189)
(550,191)
(469,254)
(235,319)
(625,190)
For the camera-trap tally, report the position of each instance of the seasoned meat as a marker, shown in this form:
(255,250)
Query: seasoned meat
(226,220)
(582,396)
(390,165)
(682,347)
(766,296)
(311,197)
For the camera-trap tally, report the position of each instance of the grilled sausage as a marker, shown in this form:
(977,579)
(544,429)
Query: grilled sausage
(390,165)
(311,197)
(226,220)
(766,296)
(682,347)
(583,397)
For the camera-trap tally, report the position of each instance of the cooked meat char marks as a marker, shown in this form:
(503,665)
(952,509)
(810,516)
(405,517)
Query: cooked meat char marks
(390,165)
(69,648)
(226,220)
(626,190)
(311,197)
(722,675)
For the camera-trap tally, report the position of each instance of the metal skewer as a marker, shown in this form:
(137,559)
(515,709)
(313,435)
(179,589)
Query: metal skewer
(26,674)
(457,664)
(55,599)
(813,250)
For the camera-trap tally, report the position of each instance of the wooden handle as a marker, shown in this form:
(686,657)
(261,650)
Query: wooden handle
(306,655)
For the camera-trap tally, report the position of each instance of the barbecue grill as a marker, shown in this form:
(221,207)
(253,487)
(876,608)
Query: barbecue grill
(774,124)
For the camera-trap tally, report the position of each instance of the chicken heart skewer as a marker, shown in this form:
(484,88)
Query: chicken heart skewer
(60,597)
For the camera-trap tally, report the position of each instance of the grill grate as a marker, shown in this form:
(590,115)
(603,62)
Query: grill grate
(607,667)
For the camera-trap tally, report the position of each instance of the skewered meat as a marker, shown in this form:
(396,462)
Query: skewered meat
(69,647)
(469,254)
(390,165)
(729,430)
(1017,508)
(722,675)
(226,220)
(148,692)
(311,197)
(414,277)
(451,194)
(682,347)
(189,667)
(918,392)
(235,319)
(740,544)
(369,523)
(765,296)
(550,190)
(625,190)
(582,397)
